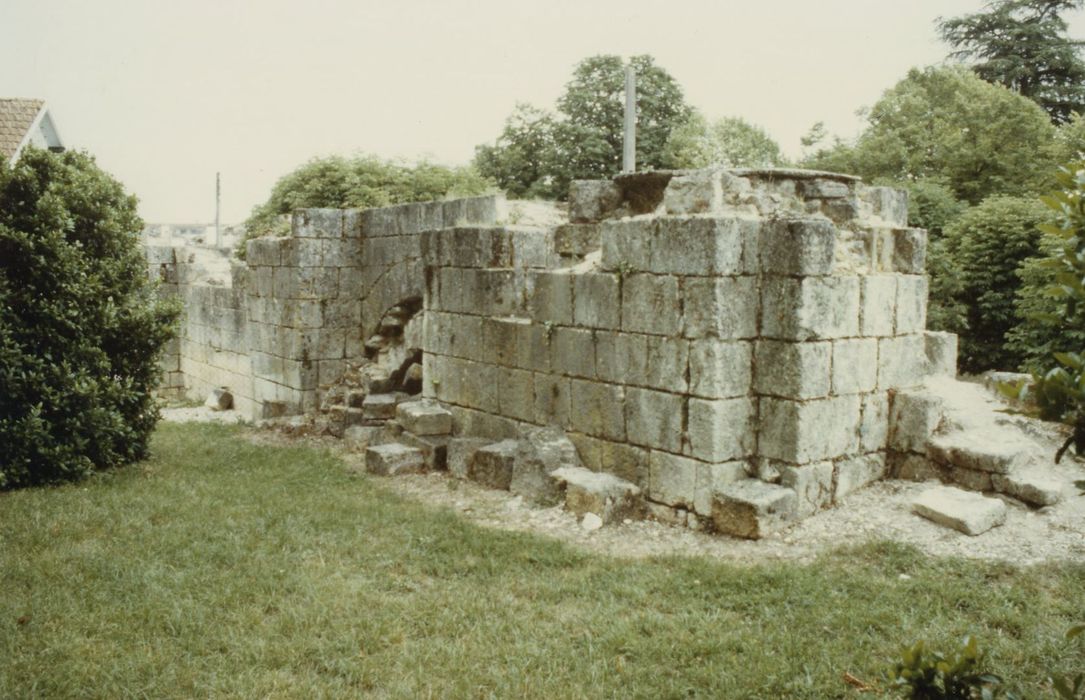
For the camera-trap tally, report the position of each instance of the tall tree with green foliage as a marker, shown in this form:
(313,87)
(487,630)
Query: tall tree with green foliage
(731,142)
(81,326)
(1023,45)
(523,155)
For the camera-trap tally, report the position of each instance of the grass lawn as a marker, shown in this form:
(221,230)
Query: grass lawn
(219,568)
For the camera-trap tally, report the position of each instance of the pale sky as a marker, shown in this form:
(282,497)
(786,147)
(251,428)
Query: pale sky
(167,92)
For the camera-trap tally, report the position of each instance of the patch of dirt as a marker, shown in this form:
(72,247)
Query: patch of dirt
(200,414)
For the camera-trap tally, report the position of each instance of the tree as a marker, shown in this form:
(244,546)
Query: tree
(932,206)
(522,158)
(947,124)
(360,181)
(731,142)
(80,323)
(1023,45)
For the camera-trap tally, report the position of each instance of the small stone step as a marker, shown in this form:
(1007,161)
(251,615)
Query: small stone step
(1029,485)
(219,400)
(983,452)
(492,465)
(356,397)
(914,416)
(392,459)
(970,513)
(344,416)
(424,418)
(461,452)
(359,437)
(434,449)
(379,406)
(752,508)
(607,496)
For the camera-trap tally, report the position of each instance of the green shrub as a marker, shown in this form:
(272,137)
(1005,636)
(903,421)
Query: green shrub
(933,206)
(987,246)
(80,325)
(922,674)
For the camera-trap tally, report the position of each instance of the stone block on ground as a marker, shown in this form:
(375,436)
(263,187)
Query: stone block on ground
(461,452)
(540,452)
(379,406)
(913,417)
(392,459)
(980,451)
(964,511)
(605,495)
(434,449)
(493,464)
(219,400)
(359,437)
(1029,485)
(424,418)
(592,200)
(752,509)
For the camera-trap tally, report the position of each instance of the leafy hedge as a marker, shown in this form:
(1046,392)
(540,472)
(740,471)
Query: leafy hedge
(80,325)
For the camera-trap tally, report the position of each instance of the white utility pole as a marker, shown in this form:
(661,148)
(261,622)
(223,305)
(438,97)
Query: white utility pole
(218,202)
(629,153)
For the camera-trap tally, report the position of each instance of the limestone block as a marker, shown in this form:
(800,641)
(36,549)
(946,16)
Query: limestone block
(622,460)
(812,484)
(650,304)
(753,509)
(969,478)
(516,393)
(501,338)
(654,419)
(552,402)
(531,347)
(913,467)
(798,247)
(969,513)
(874,422)
(393,459)
(909,250)
(486,209)
(627,244)
(596,409)
(541,452)
(317,223)
(572,352)
(810,308)
(379,406)
(941,351)
(980,451)
(605,495)
(878,307)
(700,192)
(577,240)
(823,188)
(672,517)
(461,452)
(592,200)
(856,472)
(911,304)
(492,465)
(792,370)
(901,361)
(665,364)
(424,418)
(262,281)
(219,399)
(710,479)
(914,417)
(434,449)
(359,437)
(887,203)
(808,431)
(699,246)
(1029,485)
(719,369)
(621,357)
(724,307)
(672,479)
(721,430)
(552,301)
(855,366)
(597,300)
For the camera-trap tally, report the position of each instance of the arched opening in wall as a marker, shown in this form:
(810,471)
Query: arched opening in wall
(394,352)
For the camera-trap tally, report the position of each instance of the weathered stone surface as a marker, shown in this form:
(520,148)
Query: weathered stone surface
(434,449)
(424,418)
(699,246)
(792,370)
(697,193)
(724,307)
(392,459)
(752,509)
(359,437)
(902,361)
(809,431)
(572,352)
(710,479)
(941,351)
(379,406)
(913,467)
(855,366)
(219,400)
(889,204)
(461,452)
(610,498)
(966,512)
(597,409)
(577,240)
(650,304)
(672,479)
(592,200)
(911,304)
(812,484)
(540,452)
(874,423)
(913,418)
(910,250)
(597,300)
(654,418)
(493,464)
(822,188)
(985,452)
(719,369)
(878,308)
(627,244)
(721,430)
(798,247)
(854,473)
(1029,485)
(810,308)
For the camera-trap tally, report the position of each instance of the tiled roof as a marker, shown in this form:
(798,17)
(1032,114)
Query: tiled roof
(16,118)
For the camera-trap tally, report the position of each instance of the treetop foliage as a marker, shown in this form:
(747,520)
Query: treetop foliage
(730,142)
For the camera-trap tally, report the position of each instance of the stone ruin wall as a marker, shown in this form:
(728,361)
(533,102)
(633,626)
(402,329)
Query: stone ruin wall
(725,340)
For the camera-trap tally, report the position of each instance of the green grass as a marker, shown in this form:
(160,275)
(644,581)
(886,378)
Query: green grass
(220,568)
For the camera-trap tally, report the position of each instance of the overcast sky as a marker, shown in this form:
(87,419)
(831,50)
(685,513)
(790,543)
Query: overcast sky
(167,92)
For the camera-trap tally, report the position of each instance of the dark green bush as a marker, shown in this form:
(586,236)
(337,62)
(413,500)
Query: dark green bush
(987,246)
(923,674)
(80,326)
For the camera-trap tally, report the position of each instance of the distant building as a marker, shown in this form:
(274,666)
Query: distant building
(26,122)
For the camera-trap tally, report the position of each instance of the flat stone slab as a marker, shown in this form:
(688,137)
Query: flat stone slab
(607,496)
(379,406)
(1031,486)
(979,450)
(970,513)
(392,459)
(752,508)
(424,418)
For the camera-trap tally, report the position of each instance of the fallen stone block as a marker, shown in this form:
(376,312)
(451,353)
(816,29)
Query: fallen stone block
(424,418)
(964,511)
(1030,486)
(461,452)
(913,417)
(592,200)
(605,495)
(985,452)
(752,509)
(220,400)
(379,406)
(492,465)
(434,449)
(542,451)
(393,459)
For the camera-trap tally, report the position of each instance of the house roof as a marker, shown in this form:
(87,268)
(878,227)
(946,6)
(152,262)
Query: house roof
(17,118)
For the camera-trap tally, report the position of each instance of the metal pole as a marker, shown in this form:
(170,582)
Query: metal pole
(629,154)
(218,202)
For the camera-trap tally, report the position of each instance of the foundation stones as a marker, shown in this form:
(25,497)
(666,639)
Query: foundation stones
(492,465)
(393,459)
(752,509)
(604,495)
